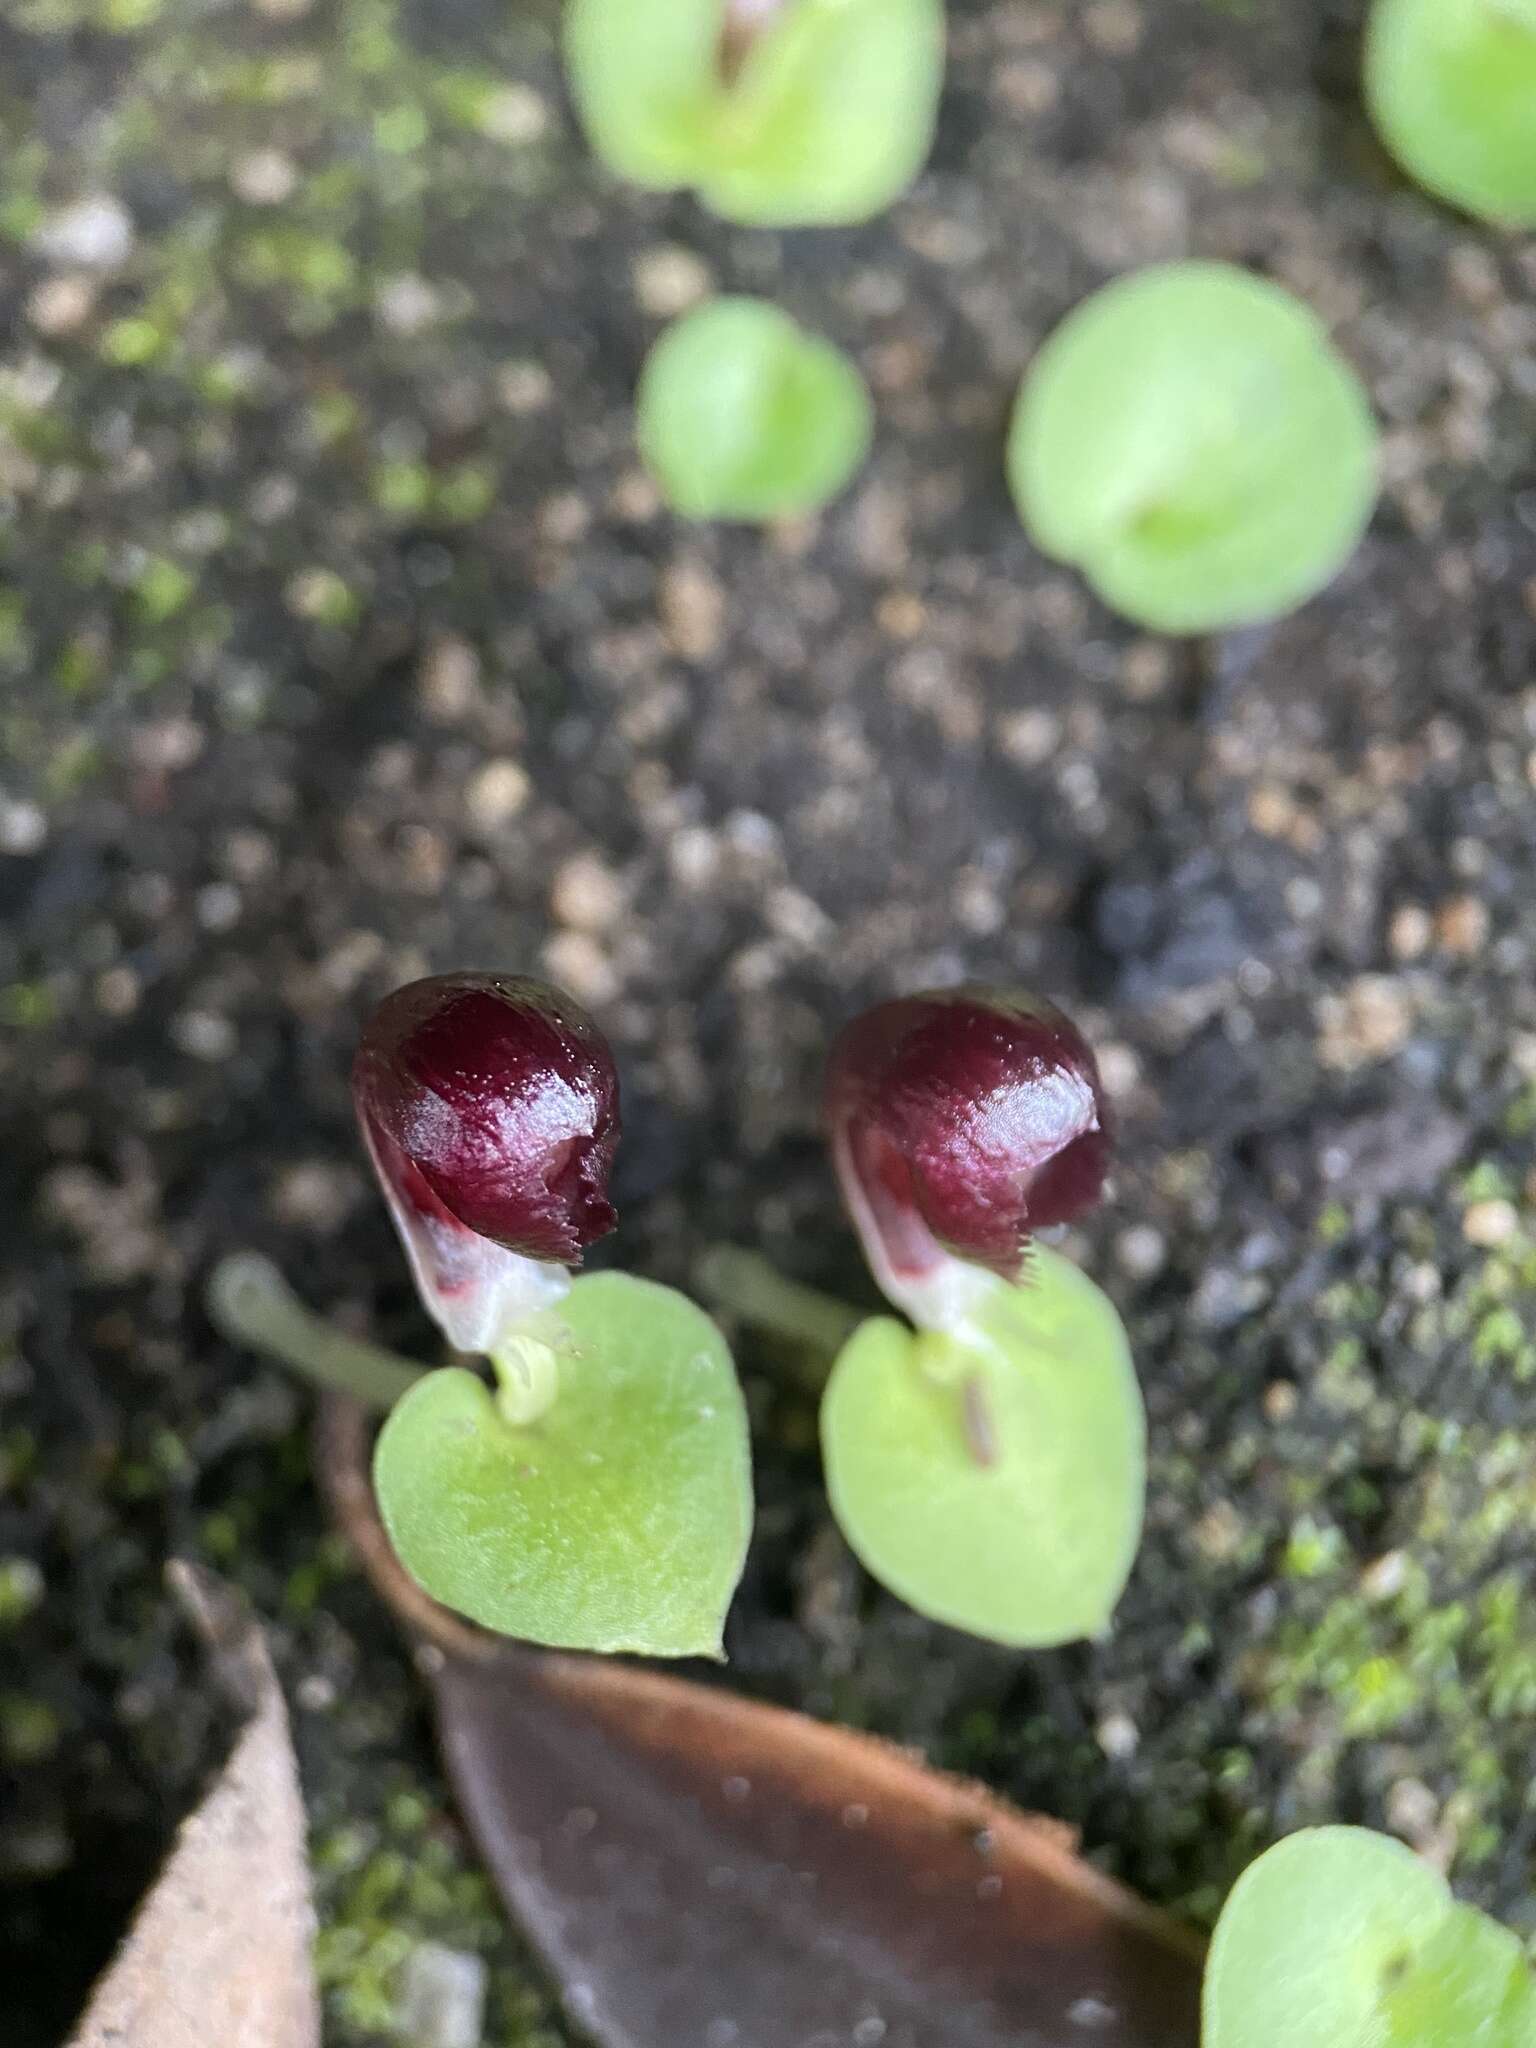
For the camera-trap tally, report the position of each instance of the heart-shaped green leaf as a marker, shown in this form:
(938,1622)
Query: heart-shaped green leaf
(995,1486)
(742,414)
(619,1520)
(1342,1937)
(826,117)
(832,116)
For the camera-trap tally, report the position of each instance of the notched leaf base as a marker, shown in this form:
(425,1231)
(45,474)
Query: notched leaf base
(616,1522)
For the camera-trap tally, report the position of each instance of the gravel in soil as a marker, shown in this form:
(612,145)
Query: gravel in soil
(342,640)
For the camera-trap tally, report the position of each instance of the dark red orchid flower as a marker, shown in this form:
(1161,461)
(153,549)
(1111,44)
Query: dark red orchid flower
(965,1120)
(490,1106)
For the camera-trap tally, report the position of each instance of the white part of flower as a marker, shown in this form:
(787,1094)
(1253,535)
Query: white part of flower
(480,1294)
(947,1294)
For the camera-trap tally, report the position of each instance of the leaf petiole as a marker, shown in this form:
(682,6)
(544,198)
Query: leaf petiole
(746,1286)
(250,1302)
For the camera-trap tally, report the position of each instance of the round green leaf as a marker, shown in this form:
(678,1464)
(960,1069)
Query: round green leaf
(997,1487)
(744,415)
(1342,1937)
(645,77)
(827,119)
(619,1520)
(1190,439)
(1451,87)
(832,116)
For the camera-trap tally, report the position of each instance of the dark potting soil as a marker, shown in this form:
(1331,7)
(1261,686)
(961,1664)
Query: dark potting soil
(341,640)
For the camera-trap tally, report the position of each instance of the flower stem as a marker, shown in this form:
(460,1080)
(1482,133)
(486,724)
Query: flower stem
(250,1302)
(527,1379)
(746,1286)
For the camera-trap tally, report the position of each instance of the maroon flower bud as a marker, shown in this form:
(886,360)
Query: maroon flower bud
(491,1109)
(964,1120)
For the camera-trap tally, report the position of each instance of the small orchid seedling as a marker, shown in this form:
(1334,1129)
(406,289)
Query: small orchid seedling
(1191,440)
(984,1458)
(596,1494)
(1451,87)
(741,414)
(1340,1938)
(779,113)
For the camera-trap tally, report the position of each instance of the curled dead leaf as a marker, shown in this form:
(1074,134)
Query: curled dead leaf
(220,1949)
(701,1870)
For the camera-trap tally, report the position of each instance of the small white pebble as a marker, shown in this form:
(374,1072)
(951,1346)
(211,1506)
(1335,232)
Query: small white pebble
(1118,1736)
(218,907)
(586,893)
(1412,1810)
(117,991)
(576,961)
(442,1997)
(23,827)
(94,234)
(1281,1400)
(1141,1250)
(1422,1283)
(314,1195)
(1410,932)
(1029,737)
(524,387)
(516,114)
(166,746)
(692,604)
(1119,1069)
(693,853)
(496,794)
(449,678)
(1490,1224)
(563,518)
(61,305)
(1091,2013)
(669,280)
(204,1035)
(264,178)
(1385,1577)
(407,305)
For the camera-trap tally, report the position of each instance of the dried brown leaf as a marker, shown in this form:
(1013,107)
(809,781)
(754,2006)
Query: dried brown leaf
(220,1950)
(701,1870)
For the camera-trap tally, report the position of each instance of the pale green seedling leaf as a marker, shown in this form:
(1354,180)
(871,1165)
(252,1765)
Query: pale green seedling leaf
(619,1520)
(827,118)
(1192,441)
(645,77)
(1017,1521)
(1451,87)
(742,414)
(832,116)
(1342,1937)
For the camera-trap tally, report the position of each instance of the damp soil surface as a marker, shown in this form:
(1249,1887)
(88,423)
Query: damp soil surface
(342,639)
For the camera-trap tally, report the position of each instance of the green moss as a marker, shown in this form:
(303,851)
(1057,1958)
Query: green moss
(27,1006)
(1312,1550)
(396,1877)
(1434,1645)
(30,1730)
(1488,1181)
(21,1590)
(162,589)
